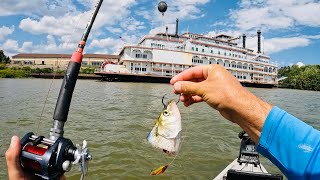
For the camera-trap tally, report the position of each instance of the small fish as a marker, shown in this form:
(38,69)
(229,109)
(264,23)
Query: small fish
(166,133)
(160,170)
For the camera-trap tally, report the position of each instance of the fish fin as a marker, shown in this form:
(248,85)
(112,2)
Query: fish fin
(177,142)
(160,170)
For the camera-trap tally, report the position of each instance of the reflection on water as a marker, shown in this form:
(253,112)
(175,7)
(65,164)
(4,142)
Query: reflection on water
(115,119)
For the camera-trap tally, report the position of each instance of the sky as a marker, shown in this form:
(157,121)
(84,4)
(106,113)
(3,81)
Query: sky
(290,28)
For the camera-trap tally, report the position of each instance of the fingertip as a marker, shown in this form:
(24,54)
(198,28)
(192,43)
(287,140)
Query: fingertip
(173,80)
(15,140)
(177,87)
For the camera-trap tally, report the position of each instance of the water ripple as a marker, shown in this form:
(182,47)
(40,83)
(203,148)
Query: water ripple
(115,119)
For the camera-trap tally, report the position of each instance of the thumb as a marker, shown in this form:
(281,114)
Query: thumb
(12,156)
(187,87)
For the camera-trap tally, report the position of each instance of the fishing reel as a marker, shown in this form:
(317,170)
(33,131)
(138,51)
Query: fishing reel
(248,153)
(48,159)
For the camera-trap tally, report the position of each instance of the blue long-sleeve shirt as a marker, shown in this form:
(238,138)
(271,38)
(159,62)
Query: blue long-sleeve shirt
(290,144)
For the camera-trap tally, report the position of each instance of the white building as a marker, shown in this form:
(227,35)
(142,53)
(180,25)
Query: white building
(61,60)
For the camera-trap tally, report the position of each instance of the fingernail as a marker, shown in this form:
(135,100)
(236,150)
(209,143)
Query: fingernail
(177,87)
(13,139)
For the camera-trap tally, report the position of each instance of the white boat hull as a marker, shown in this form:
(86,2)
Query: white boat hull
(243,167)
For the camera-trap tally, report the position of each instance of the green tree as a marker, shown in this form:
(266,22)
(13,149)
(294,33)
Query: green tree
(305,77)
(3,58)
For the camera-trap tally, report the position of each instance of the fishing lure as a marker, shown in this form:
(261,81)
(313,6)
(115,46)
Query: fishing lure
(160,170)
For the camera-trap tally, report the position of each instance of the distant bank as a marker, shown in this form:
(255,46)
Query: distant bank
(305,77)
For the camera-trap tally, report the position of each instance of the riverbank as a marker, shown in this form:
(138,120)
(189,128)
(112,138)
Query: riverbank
(46,73)
(60,76)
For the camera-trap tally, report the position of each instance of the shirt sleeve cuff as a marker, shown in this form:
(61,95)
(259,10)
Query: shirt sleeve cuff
(269,128)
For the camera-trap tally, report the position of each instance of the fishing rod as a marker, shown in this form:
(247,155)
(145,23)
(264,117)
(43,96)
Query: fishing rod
(50,158)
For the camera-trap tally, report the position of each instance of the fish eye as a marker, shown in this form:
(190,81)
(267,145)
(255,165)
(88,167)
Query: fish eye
(166,113)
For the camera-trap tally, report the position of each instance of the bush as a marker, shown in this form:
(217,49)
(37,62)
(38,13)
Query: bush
(305,77)
(3,66)
(10,73)
(87,70)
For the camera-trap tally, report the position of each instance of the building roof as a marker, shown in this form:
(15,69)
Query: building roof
(25,55)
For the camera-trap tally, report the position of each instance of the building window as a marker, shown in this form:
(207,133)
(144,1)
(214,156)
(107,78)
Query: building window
(196,49)
(211,51)
(145,56)
(192,48)
(219,52)
(28,62)
(202,50)
(96,63)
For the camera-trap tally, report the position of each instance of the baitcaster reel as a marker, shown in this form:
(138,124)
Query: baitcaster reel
(50,159)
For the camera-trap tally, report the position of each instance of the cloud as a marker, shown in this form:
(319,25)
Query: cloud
(131,24)
(36,8)
(278,44)
(162,29)
(12,47)
(5,31)
(182,9)
(275,14)
(112,45)
(65,30)
(102,43)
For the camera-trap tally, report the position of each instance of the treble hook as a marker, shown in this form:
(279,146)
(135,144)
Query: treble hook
(164,105)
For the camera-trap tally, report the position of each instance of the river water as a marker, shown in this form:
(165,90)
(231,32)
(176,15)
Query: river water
(115,119)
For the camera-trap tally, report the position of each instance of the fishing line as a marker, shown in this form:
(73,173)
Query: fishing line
(54,75)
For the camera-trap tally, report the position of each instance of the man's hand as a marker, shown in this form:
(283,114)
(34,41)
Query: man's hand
(12,156)
(222,91)
(15,171)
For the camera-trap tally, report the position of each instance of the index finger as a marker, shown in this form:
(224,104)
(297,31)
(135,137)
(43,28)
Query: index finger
(198,72)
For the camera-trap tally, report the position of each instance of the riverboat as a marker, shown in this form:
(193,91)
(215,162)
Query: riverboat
(165,55)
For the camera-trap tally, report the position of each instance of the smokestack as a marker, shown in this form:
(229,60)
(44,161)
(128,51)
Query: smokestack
(177,26)
(244,41)
(259,41)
